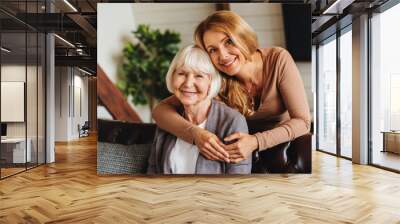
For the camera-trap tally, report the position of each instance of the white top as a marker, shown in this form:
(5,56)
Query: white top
(184,156)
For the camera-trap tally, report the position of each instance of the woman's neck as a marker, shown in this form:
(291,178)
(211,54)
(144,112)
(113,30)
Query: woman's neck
(197,113)
(251,73)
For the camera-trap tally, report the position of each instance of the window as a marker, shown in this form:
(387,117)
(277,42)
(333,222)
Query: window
(346,94)
(22,75)
(334,137)
(385,89)
(327,97)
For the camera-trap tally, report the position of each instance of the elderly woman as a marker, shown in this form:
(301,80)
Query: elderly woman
(194,81)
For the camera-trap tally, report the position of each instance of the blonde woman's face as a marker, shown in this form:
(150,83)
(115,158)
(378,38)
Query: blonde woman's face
(190,87)
(225,56)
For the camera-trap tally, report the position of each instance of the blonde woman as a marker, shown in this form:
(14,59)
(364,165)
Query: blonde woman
(195,82)
(263,84)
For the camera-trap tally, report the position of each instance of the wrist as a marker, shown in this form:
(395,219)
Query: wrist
(260,143)
(193,132)
(256,149)
(255,143)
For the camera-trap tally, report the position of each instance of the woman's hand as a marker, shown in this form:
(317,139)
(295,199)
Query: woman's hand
(242,148)
(209,145)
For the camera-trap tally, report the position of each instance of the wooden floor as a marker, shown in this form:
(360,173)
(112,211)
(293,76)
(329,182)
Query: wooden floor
(10,171)
(69,191)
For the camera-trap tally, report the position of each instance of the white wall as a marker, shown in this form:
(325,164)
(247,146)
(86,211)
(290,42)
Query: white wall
(306,74)
(115,22)
(17,73)
(80,111)
(33,126)
(61,103)
(266,19)
(182,18)
(69,82)
(14,73)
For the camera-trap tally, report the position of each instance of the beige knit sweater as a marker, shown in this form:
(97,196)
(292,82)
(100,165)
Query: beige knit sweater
(283,114)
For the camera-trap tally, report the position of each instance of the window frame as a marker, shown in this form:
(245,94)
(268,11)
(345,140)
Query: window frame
(334,37)
(379,10)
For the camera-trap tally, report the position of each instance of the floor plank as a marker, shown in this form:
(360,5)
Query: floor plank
(69,191)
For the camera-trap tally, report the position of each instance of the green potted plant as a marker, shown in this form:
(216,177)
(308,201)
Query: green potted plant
(145,64)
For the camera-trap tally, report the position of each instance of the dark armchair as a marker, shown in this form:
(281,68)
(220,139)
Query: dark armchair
(286,158)
(293,157)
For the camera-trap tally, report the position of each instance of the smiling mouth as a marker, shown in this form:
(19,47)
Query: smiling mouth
(228,63)
(188,93)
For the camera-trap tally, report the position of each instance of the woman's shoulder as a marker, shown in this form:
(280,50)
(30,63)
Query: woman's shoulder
(277,53)
(272,50)
(279,59)
(268,49)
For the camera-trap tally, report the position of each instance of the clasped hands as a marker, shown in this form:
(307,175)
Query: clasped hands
(211,147)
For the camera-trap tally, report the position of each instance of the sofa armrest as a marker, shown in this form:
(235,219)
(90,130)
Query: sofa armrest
(289,157)
(299,154)
(126,133)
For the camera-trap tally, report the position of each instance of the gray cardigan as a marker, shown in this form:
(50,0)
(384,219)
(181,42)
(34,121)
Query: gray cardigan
(222,121)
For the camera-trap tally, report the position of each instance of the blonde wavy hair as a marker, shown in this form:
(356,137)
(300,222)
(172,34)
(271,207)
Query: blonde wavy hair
(245,39)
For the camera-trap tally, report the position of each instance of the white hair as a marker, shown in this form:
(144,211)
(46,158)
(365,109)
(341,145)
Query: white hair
(195,58)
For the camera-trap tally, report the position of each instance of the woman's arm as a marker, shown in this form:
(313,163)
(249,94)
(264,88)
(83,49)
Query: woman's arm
(166,116)
(292,91)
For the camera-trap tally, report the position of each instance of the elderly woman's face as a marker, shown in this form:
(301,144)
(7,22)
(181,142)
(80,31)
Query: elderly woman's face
(190,87)
(225,56)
